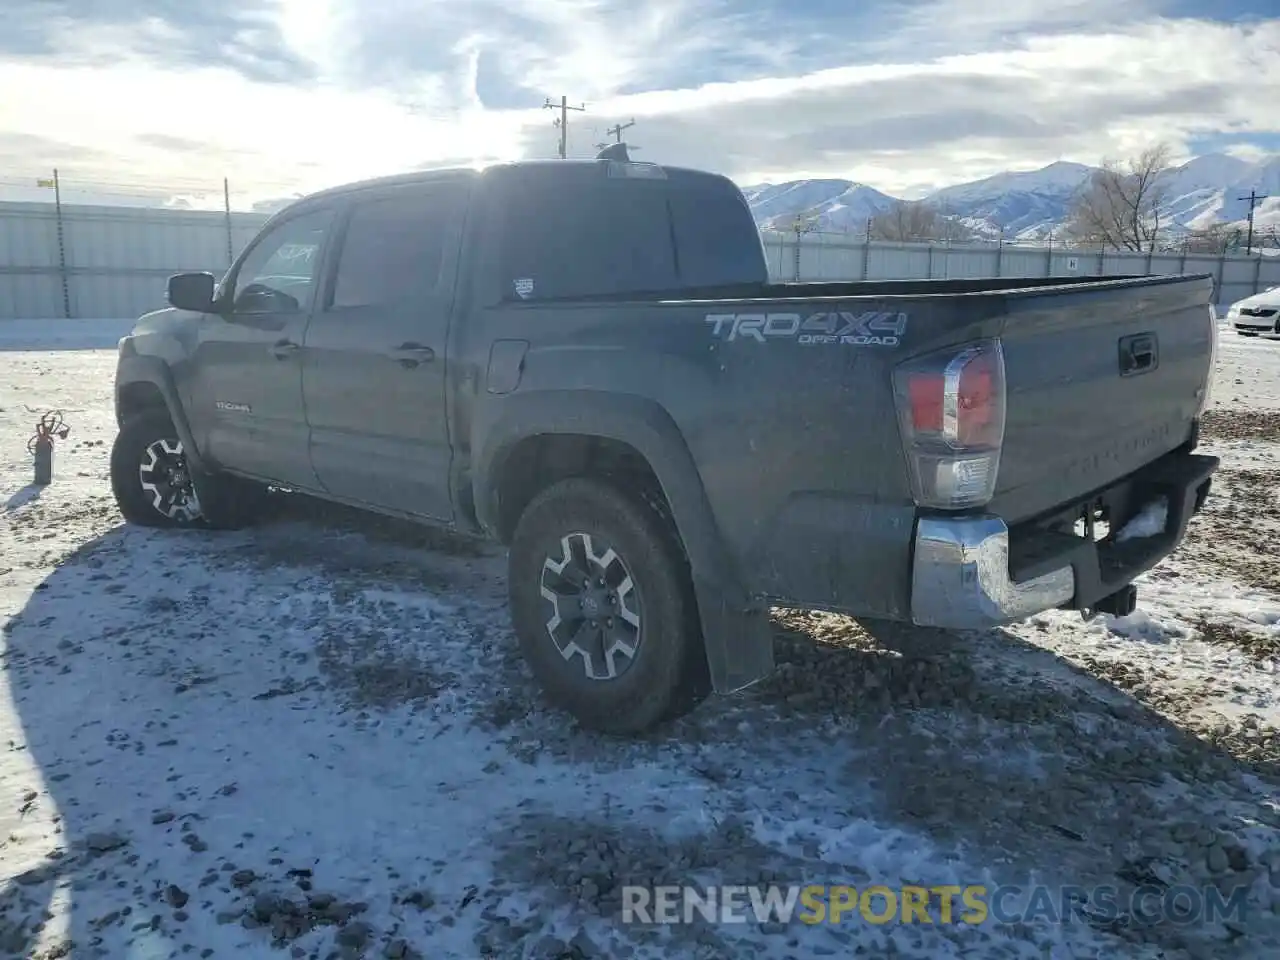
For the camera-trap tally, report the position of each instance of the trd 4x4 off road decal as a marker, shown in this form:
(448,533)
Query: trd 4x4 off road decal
(876,328)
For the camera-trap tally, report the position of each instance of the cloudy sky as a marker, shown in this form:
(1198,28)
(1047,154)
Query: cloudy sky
(906,95)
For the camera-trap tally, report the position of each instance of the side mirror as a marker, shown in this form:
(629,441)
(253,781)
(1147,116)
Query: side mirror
(192,291)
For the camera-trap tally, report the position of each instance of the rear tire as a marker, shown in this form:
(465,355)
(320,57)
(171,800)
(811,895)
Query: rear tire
(156,486)
(602,603)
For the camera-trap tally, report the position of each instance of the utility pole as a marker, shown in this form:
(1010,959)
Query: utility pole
(802,225)
(617,130)
(563,121)
(226,210)
(62,245)
(1254,199)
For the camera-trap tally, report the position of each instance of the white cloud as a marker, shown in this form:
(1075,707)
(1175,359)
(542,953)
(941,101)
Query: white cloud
(1248,152)
(111,124)
(949,26)
(1075,96)
(944,91)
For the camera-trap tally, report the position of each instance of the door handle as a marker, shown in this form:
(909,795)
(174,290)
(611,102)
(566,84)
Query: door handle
(283,349)
(409,355)
(1139,353)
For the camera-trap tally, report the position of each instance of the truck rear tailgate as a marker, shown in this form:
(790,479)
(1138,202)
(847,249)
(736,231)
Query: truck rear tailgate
(1099,383)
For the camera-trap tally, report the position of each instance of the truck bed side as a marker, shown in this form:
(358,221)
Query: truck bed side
(787,407)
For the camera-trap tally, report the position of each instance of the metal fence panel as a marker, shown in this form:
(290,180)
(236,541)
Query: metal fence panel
(117,258)
(829,261)
(30,294)
(113,261)
(28,236)
(110,296)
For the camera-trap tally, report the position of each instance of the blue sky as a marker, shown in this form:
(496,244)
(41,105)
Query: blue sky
(906,95)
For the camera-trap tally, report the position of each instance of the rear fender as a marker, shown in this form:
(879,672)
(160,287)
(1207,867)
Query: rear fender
(736,633)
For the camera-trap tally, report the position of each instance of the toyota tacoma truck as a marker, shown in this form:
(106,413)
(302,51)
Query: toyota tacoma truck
(587,362)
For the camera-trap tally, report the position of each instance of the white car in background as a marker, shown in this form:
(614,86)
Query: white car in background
(1258,315)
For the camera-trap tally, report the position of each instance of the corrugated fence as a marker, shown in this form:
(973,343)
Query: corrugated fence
(836,257)
(103,261)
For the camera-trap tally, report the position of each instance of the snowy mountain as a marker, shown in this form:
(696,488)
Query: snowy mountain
(1264,177)
(838,205)
(1030,204)
(1197,188)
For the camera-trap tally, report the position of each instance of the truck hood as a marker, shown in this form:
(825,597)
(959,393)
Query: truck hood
(157,321)
(168,332)
(169,320)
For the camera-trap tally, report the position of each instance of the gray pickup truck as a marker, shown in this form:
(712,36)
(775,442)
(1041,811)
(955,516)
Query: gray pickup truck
(586,361)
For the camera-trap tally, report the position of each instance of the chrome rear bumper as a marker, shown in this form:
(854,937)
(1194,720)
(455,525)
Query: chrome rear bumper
(960,576)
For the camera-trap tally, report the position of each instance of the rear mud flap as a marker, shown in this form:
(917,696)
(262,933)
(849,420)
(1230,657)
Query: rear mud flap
(739,641)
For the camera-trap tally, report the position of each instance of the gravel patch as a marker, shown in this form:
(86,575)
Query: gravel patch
(1219,425)
(1238,532)
(1259,645)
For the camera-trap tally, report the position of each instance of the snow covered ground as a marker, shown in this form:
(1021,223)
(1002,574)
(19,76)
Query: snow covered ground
(318,737)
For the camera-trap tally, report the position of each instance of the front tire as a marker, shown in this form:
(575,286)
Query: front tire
(602,603)
(155,485)
(150,476)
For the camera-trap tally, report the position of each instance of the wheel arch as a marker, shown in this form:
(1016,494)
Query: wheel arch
(145,383)
(638,434)
(572,430)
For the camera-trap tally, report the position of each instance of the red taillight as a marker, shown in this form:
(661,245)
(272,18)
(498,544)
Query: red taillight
(951,410)
(957,403)
(925,391)
(976,402)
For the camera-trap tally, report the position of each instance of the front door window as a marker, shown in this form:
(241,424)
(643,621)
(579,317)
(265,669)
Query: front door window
(281,272)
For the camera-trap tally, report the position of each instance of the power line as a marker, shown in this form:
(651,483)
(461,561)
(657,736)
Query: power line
(563,121)
(157,187)
(1254,199)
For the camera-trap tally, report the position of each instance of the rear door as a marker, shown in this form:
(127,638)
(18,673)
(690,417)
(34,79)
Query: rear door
(373,375)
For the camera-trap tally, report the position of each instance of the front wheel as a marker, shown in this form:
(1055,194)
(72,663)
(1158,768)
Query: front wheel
(602,604)
(155,485)
(150,475)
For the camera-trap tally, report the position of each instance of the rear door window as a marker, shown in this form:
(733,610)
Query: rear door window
(598,238)
(716,237)
(396,247)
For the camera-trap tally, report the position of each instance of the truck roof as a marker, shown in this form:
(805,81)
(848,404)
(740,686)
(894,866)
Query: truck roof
(552,169)
(699,235)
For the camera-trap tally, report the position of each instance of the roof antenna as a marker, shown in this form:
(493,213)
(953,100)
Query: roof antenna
(615,151)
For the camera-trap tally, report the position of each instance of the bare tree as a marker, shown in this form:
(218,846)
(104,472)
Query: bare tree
(1123,203)
(806,222)
(1215,238)
(916,221)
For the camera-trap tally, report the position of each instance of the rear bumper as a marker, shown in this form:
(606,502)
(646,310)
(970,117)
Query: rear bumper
(974,572)
(960,576)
